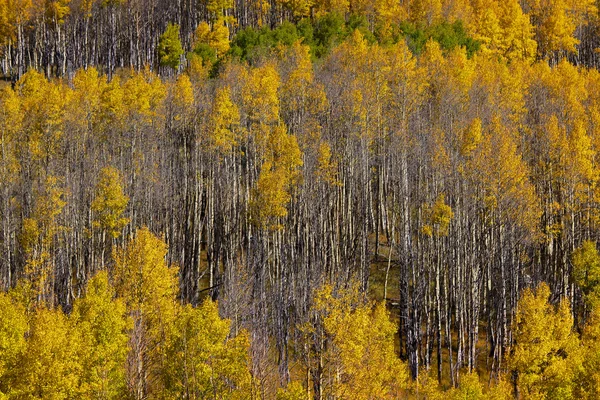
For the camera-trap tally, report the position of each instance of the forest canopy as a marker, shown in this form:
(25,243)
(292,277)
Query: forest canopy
(299,199)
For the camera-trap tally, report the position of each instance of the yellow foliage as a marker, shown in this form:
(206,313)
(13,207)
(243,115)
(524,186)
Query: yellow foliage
(567,86)
(44,104)
(471,137)
(407,82)
(182,98)
(517,41)
(30,233)
(502,390)
(299,93)
(224,121)
(546,353)
(110,203)
(299,8)
(86,102)
(429,387)
(270,196)
(217,8)
(500,171)
(427,12)
(11,118)
(57,10)
(143,95)
(204,360)
(142,277)
(586,272)
(112,108)
(470,387)
(587,385)
(293,391)
(364,70)
(13,326)
(360,358)
(327,167)
(437,217)
(260,96)
(13,13)
(557,22)
(388,11)
(283,151)
(39,229)
(219,39)
(149,289)
(504,29)
(279,173)
(101,325)
(50,366)
(217,36)
(334,6)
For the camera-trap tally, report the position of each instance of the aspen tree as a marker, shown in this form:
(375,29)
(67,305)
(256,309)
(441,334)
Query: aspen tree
(50,365)
(101,324)
(586,272)
(225,122)
(203,358)
(148,287)
(13,326)
(108,207)
(545,356)
(110,203)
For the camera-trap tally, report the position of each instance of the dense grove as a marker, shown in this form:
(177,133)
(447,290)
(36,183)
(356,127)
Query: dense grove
(62,36)
(300,199)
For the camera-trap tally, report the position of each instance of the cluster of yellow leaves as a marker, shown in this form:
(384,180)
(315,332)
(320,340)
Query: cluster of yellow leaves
(85,103)
(498,168)
(110,203)
(327,169)
(127,339)
(215,36)
(49,367)
(357,347)
(12,15)
(587,384)
(278,175)
(557,20)
(182,102)
(13,325)
(426,11)
(225,121)
(471,137)
(37,238)
(143,279)
(364,69)
(437,217)
(299,8)
(504,29)
(280,154)
(218,8)
(101,327)
(469,388)
(143,95)
(44,104)
(546,354)
(204,359)
(299,92)
(568,143)
(261,100)
(586,272)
